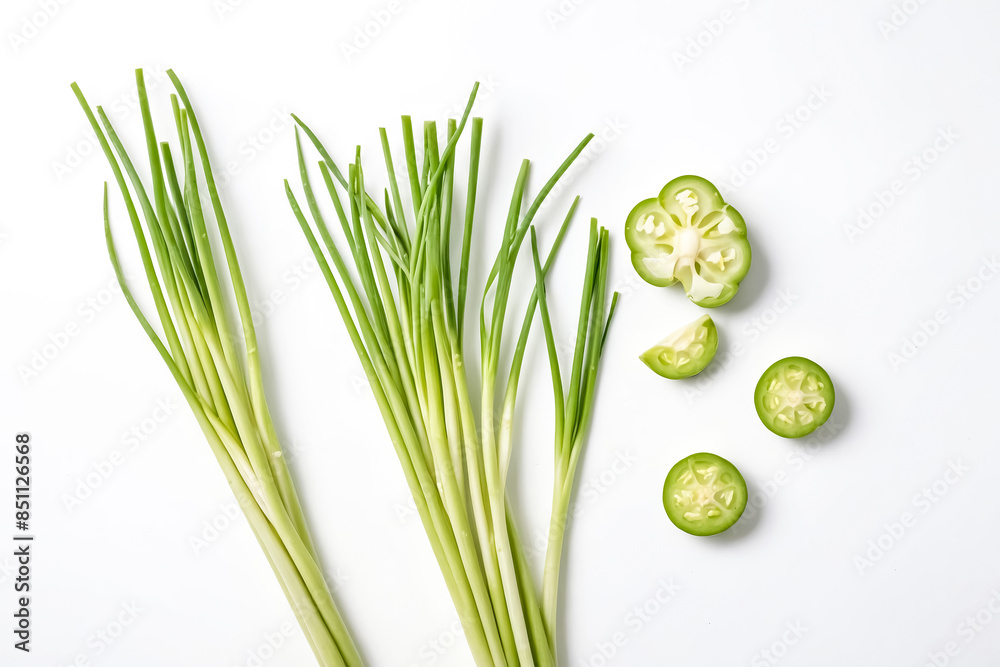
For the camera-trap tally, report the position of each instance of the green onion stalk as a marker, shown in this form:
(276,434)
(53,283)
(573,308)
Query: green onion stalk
(392,278)
(215,362)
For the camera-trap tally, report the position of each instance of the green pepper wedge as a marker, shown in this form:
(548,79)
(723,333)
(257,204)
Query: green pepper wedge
(689,234)
(684,352)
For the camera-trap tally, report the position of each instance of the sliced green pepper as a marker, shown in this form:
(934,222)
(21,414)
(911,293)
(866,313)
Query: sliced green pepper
(691,235)
(685,352)
(794,397)
(704,494)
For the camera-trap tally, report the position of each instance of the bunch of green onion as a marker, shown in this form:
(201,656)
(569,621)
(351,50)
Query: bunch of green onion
(404,310)
(220,377)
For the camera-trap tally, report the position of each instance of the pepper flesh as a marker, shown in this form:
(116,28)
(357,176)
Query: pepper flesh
(686,351)
(689,234)
(794,397)
(704,494)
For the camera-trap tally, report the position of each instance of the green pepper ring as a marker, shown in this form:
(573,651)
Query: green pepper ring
(690,234)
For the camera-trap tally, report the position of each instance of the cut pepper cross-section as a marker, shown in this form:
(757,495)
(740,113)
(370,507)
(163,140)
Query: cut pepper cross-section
(689,234)
(794,397)
(704,494)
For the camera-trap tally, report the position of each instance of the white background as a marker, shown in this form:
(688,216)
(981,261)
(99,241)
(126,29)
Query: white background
(884,95)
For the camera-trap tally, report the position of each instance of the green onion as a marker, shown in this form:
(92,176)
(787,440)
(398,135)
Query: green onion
(220,377)
(393,282)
